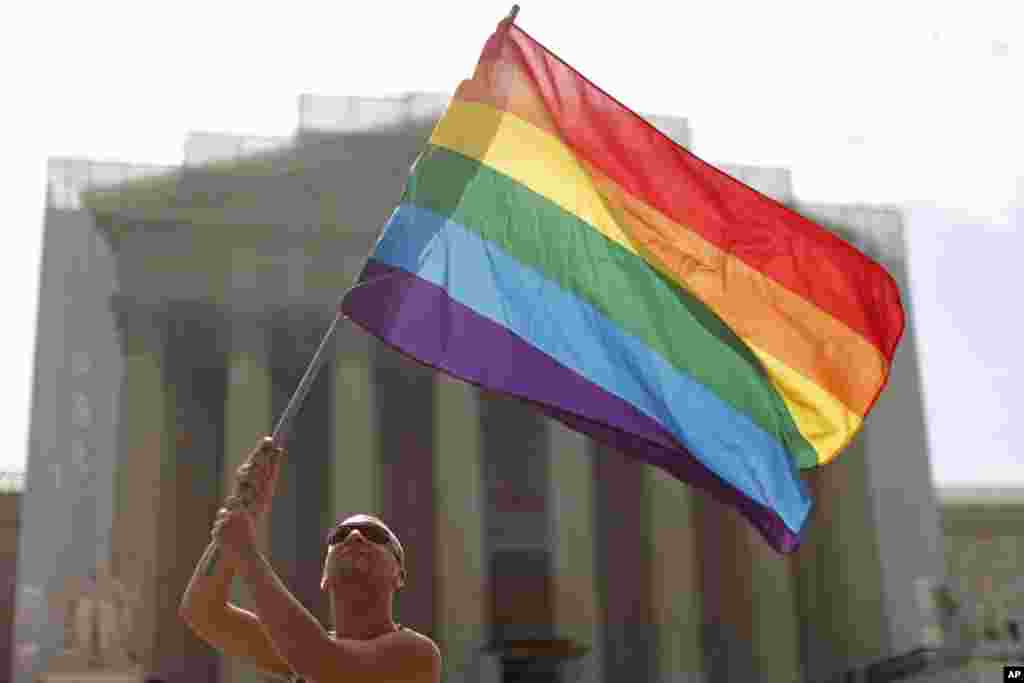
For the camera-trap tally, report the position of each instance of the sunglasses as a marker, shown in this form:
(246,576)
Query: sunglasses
(370,532)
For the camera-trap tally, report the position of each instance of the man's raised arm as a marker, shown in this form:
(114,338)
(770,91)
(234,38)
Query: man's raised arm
(205,607)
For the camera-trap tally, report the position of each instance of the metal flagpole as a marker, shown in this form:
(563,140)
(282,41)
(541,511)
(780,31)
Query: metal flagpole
(284,424)
(243,493)
(283,428)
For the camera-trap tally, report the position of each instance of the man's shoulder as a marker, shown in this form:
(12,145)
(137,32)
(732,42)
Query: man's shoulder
(413,633)
(421,652)
(422,641)
(405,642)
(402,633)
(403,655)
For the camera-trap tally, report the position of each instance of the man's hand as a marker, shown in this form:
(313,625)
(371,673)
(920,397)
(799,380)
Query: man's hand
(235,532)
(256,479)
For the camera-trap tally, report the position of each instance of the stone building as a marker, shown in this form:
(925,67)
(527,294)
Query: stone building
(10,502)
(983,529)
(178,310)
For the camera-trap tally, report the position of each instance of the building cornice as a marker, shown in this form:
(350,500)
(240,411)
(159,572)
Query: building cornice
(980,495)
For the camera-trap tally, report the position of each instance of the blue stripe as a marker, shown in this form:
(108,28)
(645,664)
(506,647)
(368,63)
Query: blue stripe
(483,277)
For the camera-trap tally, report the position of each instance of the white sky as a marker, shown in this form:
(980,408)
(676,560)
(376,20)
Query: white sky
(876,102)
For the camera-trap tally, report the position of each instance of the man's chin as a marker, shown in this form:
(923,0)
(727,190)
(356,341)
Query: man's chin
(353,570)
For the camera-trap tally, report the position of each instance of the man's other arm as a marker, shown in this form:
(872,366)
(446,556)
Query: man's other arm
(228,628)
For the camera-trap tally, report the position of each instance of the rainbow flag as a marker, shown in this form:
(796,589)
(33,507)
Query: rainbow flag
(552,245)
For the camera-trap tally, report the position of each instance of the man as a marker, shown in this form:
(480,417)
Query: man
(365,565)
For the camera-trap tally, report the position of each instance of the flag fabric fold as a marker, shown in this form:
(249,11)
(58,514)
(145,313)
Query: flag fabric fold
(552,245)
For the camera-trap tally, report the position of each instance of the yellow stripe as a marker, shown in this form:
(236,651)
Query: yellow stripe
(823,420)
(531,157)
(544,164)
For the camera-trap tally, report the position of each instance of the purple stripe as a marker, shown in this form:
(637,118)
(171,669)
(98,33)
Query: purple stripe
(419,319)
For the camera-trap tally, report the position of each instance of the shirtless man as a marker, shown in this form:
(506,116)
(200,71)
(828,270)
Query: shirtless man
(365,565)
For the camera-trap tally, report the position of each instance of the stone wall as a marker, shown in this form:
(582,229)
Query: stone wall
(10,502)
(984,547)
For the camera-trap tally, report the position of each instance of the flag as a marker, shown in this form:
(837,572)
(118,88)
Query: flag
(552,245)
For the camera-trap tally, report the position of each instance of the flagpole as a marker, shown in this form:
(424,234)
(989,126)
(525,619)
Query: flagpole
(283,428)
(284,424)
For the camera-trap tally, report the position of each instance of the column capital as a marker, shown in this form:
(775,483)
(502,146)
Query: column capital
(295,332)
(148,324)
(141,326)
(248,333)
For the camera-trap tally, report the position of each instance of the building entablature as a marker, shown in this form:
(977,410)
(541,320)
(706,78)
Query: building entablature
(316,184)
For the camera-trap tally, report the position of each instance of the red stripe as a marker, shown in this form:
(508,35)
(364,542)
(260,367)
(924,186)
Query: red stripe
(792,250)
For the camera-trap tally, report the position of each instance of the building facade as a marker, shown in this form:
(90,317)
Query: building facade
(983,529)
(10,503)
(172,349)
(902,531)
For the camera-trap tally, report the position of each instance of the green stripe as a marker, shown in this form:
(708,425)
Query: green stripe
(669,320)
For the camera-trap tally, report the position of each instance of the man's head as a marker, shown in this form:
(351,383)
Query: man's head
(362,549)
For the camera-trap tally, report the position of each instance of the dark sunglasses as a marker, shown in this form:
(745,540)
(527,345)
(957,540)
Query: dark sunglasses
(370,532)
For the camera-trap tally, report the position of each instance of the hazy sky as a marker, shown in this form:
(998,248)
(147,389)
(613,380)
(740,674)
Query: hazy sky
(913,103)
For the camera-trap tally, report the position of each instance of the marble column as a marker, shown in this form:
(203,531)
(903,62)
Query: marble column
(144,447)
(194,377)
(776,624)
(354,464)
(461,580)
(354,467)
(838,572)
(624,557)
(727,628)
(247,417)
(405,417)
(515,459)
(675,579)
(577,604)
(296,529)
(750,625)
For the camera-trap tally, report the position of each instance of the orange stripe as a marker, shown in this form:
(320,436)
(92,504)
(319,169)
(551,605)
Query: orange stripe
(756,307)
(771,238)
